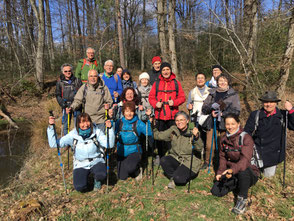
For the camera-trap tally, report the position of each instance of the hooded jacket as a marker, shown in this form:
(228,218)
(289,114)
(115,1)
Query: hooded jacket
(128,141)
(181,146)
(83,73)
(232,156)
(166,84)
(66,90)
(96,96)
(85,149)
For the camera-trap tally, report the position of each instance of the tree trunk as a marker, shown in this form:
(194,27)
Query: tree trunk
(79,28)
(39,13)
(61,27)
(287,58)
(69,33)
(120,35)
(143,37)
(171,33)
(50,36)
(227,13)
(161,29)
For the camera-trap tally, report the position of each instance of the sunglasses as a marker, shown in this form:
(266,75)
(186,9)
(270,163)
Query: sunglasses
(66,71)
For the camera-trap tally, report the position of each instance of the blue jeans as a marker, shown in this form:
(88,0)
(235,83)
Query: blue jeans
(65,120)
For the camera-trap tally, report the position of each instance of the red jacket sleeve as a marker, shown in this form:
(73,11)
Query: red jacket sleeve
(181,98)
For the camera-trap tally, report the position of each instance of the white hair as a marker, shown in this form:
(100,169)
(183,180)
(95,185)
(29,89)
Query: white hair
(89,48)
(92,70)
(111,61)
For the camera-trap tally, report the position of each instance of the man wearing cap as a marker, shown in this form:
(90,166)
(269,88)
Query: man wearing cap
(155,72)
(216,71)
(267,127)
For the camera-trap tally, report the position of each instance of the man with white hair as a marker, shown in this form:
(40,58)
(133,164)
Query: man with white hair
(95,97)
(112,80)
(86,64)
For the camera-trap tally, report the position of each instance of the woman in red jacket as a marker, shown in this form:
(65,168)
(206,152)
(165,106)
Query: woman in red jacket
(166,96)
(236,166)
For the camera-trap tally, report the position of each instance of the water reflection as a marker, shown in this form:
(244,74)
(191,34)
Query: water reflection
(13,146)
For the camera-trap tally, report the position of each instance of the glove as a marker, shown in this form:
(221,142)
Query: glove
(215,106)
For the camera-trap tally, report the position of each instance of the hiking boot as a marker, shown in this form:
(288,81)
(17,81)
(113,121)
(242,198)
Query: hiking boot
(157,160)
(240,206)
(140,176)
(97,185)
(171,184)
(204,166)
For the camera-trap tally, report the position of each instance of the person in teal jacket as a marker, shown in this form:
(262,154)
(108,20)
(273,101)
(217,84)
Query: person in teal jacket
(88,156)
(129,150)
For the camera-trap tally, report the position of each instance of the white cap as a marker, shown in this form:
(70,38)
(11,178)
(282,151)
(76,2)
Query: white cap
(144,75)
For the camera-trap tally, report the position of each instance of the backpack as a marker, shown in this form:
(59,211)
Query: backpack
(255,160)
(85,62)
(134,130)
(157,85)
(95,141)
(115,76)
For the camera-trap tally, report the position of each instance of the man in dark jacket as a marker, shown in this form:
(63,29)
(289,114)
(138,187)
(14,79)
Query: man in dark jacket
(155,72)
(66,89)
(267,126)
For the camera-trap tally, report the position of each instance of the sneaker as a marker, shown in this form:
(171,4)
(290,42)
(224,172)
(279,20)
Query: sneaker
(157,160)
(204,166)
(240,206)
(171,184)
(140,176)
(97,185)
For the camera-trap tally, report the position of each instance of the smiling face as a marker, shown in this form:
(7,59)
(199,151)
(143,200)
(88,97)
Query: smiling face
(126,76)
(166,72)
(181,122)
(129,114)
(108,67)
(231,125)
(92,77)
(216,72)
(223,83)
(200,80)
(269,106)
(144,82)
(119,71)
(67,72)
(84,124)
(156,65)
(129,95)
(90,54)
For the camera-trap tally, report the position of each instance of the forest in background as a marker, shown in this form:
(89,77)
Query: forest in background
(252,39)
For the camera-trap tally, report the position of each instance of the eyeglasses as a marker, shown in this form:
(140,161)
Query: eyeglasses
(66,71)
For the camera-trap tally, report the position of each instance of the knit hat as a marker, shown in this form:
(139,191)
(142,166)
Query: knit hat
(165,64)
(125,71)
(217,66)
(144,75)
(156,58)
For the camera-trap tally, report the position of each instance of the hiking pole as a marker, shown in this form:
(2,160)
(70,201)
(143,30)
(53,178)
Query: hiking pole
(190,166)
(284,172)
(210,155)
(68,125)
(58,152)
(107,154)
(147,145)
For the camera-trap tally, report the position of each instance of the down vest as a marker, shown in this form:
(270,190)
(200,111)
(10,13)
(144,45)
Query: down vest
(166,90)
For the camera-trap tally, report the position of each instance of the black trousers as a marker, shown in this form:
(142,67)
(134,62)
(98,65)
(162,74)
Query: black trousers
(163,146)
(80,176)
(128,166)
(173,169)
(246,179)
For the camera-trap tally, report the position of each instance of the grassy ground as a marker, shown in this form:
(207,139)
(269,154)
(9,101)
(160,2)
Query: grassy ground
(37,193)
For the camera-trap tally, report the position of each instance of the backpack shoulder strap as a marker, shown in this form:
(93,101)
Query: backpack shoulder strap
(85,94)
(98,146)
(177,87)
(256,121)
(156,87)
(134,125)
(74,145)
(84,63)
(96,64)
(241,138)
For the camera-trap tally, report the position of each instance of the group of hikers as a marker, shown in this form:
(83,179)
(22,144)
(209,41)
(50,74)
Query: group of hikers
(111,110)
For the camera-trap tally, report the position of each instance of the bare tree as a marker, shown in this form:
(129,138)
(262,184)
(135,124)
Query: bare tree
(143,36)
(39,13)
(161,29)
(50,36)
(171,33)
(79,28)
(287,58)
(120,35)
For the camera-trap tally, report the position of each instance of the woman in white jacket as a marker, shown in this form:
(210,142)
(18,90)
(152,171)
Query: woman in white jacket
(87,153)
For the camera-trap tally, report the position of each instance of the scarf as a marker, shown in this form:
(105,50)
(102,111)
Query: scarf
(85,133)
